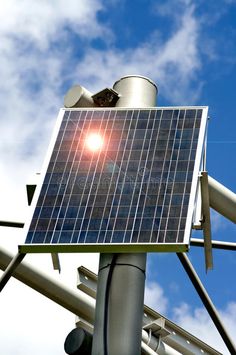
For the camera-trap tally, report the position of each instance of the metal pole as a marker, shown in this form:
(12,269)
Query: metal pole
(215,244)
(222,199)
(118,316)
(207,301)
(11,224)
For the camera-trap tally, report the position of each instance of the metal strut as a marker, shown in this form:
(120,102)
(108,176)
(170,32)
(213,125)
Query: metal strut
(206,300)
(216,244)
(10,269)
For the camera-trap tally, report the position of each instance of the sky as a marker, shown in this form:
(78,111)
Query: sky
(189,49)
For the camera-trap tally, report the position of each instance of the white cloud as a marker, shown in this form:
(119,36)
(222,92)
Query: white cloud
(155,298)
(197,322)
(42,22)
(173,64)
(34,64)
(27,315)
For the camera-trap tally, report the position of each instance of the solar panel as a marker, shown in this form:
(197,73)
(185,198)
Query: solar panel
(119,180)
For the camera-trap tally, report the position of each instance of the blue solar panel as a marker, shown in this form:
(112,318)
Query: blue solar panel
(119,180)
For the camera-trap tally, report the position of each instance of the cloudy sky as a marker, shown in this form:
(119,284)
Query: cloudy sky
(189,49)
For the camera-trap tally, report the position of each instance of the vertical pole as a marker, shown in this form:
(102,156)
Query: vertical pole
(121,277)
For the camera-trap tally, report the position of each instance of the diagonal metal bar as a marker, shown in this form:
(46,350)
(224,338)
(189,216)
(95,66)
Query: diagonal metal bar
(11,224)
(206,300)
(10,269)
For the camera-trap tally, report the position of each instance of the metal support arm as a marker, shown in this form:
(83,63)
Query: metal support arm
(215,244)
(207,301)
(222,199)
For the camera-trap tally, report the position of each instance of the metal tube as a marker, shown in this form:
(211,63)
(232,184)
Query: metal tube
(222,199)
(124,311)
(207,301)
(215,244)
(12,224)
(136,91)
(147,350)
(157,345)
(78,96)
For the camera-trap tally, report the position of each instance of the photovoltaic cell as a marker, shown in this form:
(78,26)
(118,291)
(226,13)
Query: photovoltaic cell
(119,179)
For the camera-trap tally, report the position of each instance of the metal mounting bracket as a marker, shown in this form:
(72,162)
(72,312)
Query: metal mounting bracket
(157,328)
(206,221)
(106,98)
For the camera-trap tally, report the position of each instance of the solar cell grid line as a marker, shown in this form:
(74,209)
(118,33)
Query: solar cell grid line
(82,136)
(181,223)
(102,231)
(182,144)
(164,223)
(46,192)
(139,118)
(174,175)
(150,185)
(76,186)
(137,183)
(200,137)
(123,182)
(131,181)
(69,179)
(64,208)
(65,178)
(145,167)
(62,212)
(103,153)
(178,199)
(83,215)
(163,180)
(105,157)
(187,170)
(192,159)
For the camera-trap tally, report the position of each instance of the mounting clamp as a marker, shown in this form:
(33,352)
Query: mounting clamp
(157,328)
(106,98)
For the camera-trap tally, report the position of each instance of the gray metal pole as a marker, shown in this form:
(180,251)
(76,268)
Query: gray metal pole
(222,199)
(215,244)
(118,315)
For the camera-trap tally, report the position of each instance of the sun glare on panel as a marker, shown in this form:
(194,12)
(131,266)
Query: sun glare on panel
(94,142)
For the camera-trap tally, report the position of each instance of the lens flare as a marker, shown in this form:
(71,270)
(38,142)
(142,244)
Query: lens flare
(94,142)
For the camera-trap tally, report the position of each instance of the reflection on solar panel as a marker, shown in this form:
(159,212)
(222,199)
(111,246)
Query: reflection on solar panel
(119,180)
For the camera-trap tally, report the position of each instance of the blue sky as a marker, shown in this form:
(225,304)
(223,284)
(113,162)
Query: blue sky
(188,48)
